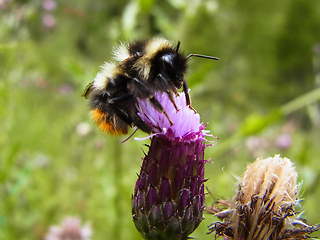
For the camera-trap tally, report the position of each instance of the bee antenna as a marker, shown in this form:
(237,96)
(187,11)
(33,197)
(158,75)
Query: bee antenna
(202,56)
(178,45)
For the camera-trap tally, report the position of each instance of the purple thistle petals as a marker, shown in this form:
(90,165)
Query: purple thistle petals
(185,120)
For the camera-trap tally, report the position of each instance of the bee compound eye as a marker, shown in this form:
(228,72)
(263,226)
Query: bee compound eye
(168,59)
(168,62)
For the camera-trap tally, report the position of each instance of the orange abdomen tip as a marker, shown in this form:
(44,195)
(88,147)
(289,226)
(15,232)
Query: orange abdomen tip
(107,124)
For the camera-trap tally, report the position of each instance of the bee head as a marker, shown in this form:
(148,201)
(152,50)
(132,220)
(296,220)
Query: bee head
(173,66)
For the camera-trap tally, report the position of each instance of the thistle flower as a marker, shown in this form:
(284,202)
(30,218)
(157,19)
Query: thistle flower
(69,229)
(168,199)
(264,207)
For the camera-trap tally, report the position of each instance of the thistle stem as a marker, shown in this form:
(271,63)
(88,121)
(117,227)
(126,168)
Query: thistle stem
(118,173)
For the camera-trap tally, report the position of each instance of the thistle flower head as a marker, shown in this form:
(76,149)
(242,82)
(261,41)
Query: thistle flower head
(69,229)
(264,207)
(168,199)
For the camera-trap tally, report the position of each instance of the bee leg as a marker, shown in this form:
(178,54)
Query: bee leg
(139,89)
(136,120)
(186,93)
(176,92)
(142,125)
(152,99)
(170,95)
(129,120)
(124,115)
(167,86)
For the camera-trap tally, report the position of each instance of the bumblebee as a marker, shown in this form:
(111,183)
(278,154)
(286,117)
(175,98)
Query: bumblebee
(143,68)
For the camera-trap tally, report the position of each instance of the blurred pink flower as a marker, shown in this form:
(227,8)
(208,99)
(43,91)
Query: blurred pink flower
(69,229)
(65,89)
(284,141)
(48,21)
(49,5)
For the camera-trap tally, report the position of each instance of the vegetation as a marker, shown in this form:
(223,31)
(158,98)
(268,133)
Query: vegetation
(260,99)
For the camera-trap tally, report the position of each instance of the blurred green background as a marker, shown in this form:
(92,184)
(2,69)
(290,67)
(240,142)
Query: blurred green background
(260,99)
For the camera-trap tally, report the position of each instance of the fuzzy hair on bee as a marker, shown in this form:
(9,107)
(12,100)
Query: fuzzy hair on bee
(142,68)
(113,109)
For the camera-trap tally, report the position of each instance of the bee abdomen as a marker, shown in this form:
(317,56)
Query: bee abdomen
(108,124)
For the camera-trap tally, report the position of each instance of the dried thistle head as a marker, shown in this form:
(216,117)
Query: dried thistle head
(264,207)
(274,179)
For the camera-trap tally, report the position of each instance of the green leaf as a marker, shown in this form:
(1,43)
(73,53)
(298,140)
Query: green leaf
(146,5)
(255,123)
